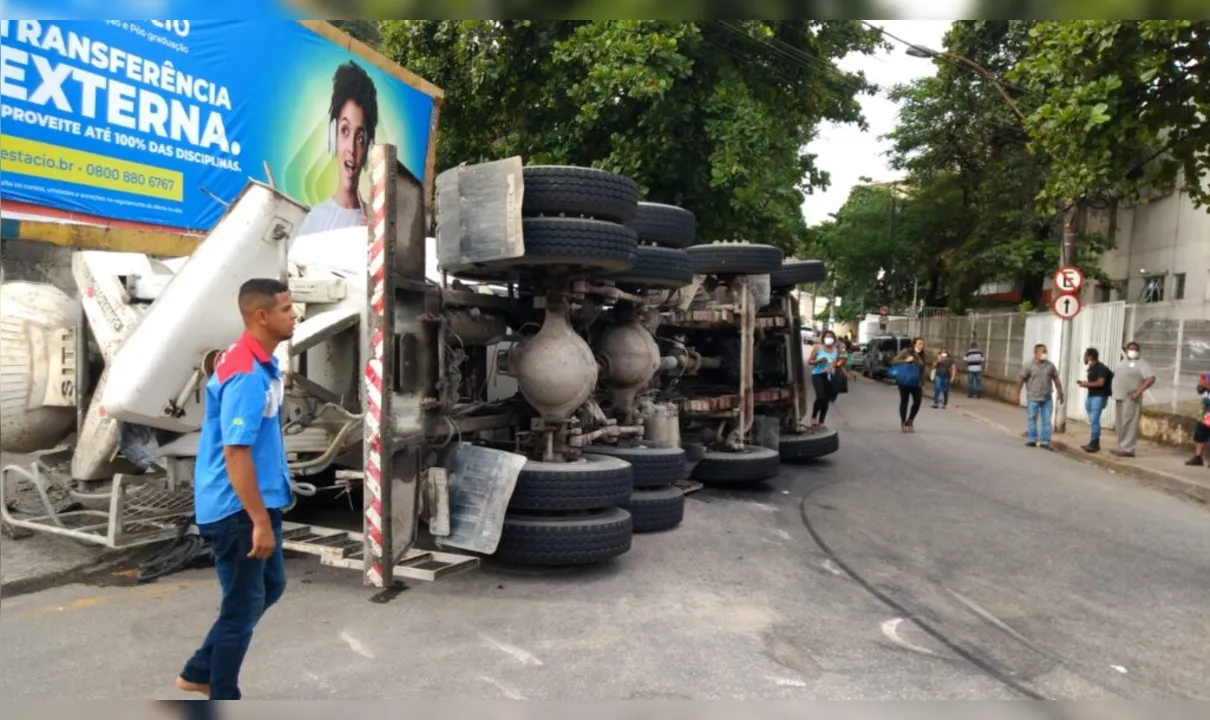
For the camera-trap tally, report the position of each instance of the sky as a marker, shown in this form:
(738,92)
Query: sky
(846,152)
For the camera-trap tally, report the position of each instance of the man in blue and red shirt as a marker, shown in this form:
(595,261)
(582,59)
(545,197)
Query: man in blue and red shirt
(241,484)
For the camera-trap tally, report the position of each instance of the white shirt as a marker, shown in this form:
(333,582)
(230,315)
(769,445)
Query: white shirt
(327,215)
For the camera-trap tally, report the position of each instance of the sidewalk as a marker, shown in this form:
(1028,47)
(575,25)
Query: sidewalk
(1156,465)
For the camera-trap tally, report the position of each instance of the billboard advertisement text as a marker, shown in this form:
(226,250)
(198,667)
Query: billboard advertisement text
(162,121)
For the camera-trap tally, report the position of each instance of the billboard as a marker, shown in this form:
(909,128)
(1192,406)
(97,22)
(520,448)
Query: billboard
(163,121)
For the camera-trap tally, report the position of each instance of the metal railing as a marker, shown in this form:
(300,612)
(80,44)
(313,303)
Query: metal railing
(1174,336)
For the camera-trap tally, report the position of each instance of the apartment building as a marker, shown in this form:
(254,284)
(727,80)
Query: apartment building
(1162,252)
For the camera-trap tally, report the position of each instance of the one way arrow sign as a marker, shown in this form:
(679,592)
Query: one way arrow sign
(1066,306)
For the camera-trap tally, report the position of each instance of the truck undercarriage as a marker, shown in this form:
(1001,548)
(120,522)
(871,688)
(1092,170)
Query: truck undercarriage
(538,394)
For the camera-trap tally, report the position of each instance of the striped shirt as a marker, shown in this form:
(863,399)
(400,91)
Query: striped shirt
(974,360)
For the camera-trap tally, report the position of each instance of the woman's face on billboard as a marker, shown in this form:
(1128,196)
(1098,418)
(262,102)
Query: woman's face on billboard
(350,144)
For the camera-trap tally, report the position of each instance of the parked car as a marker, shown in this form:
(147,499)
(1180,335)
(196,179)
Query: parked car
(857,357)
(883,349)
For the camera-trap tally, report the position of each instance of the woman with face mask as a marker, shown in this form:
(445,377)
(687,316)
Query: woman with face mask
(822,362)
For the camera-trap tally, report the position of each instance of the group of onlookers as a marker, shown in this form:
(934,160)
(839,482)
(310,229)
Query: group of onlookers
(1039,379)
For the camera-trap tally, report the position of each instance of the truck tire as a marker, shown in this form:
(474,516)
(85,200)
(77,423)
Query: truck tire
(694,452)
(734,259)
(656,510)
(665,225)
(579,192)
(654,467)
(591,483)
(808,446)
(577,242)
(568,540)
(752,465)
(657,267)
(794,272)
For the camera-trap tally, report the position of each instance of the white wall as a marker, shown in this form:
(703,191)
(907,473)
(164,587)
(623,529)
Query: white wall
(1164,236)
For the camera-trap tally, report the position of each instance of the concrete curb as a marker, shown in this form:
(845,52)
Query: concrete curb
(1165,481)
(83,572)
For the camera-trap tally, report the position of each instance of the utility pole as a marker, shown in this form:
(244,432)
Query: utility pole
(1071,233)
(1071,218)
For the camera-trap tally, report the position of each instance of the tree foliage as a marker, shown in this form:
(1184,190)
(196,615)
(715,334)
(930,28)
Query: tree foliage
(965,213)
(712,116)
(602,9)
(983,183)
(1115,94)
(363,30)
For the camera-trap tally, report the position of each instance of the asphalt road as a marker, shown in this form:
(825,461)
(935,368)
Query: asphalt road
(952,563)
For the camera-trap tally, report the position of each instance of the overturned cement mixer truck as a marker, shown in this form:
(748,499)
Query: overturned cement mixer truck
(524,385)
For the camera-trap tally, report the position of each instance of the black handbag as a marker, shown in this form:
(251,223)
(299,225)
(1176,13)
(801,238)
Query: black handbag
(839,384)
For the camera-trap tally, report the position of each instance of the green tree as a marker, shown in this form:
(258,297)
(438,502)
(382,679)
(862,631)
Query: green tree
(957,129)
(363,30)
(973,176)
(1116,94)
(712,116)
(602,9)
(893,241)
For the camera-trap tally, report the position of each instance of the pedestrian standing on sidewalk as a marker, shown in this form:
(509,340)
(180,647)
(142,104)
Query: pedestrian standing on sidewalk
(1201,431)
(1037,378)
(1132,379)
(241,484)
(822,362)
(974,371)
(944,373)
(1100,386)
(908,370)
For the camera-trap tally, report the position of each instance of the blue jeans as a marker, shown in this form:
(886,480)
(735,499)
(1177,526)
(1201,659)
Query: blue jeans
(974,385)
(1043,408)
(1094,406)
(941,390)
(250,587)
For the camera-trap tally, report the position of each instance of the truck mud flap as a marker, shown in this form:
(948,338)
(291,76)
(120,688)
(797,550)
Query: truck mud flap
(481,483)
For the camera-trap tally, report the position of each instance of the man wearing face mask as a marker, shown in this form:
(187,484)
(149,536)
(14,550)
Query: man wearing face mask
(1037,378)
(822,362)
(1130,382)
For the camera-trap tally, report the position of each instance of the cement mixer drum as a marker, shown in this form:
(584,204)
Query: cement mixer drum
(38,326)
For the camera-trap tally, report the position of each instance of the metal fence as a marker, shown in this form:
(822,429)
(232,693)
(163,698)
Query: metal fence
(1175,339)
(1174,336)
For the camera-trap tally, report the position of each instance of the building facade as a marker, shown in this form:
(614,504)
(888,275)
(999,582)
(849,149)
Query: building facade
(1162,251)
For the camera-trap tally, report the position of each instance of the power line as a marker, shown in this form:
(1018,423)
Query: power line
(778,72)
(797,57)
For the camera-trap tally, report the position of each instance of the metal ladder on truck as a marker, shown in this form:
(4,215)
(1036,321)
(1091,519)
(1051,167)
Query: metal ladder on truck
(393,443)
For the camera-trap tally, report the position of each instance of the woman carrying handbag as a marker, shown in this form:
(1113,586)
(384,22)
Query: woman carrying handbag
(822,362)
